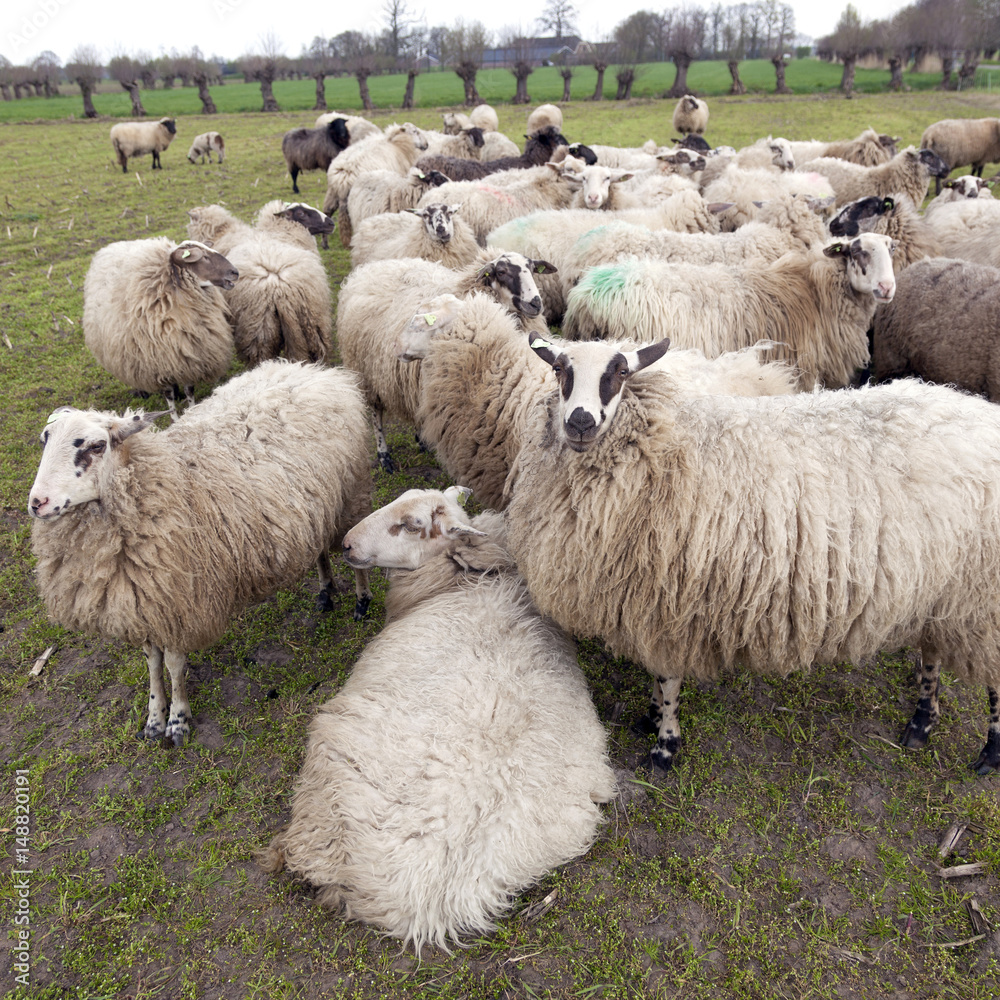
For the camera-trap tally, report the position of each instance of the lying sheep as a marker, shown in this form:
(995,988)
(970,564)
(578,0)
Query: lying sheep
(204,145)
(619,158)
(699,534)
(499,759)
(537,150)
(154,317)
(816,304)
(909,339)
(377,300)
(895,217)
(138,138)
(314,148)
(477,390)
(765,154)
(382,191)
(434,232)
(966,186)
(909,172)
(690,115)
(961,142)
(161,539)
(481,116)
(868,149)
(743,191)
(967,229)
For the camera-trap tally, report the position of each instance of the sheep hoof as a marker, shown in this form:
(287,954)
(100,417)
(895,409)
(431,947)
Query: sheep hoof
(361,608)
(645,725)
(988,760)
(324,601)
(178,731)
(150,733)
(661,757)
(917,730)
(385,460)
(420,444)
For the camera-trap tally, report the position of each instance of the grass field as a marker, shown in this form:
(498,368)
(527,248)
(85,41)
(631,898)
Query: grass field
(791,854)
(804,76)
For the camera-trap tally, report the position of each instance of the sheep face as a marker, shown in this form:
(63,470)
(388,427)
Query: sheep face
(597,183)
(318,223)
(966,187)
(868,260)
(681,161)
(860,215)
(412,529)
(474,137)
(432,318)
(170,125)
(933,163)
(438,222)
(591,376)
(207,265)
(781,154)
(416,134)
(510,279)
(585,153)
(76,445)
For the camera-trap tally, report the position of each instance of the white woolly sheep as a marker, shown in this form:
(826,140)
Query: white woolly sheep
(138,138)
(600,189)
(893,216)
(621,158)
(743,191)
(690,115)
(435,232)
(154,317)
(909,172)
(816,304)
(544,116)
(961,142)
(377,300)
(381,191)
(699,534)
(160,539)
(966,186)
(765,154)
(499,758)
(868,149)
(313,148)
(294,222)
(909,339)
(967,229)
(357,128)
(476,390)
(466,144)
(204,145)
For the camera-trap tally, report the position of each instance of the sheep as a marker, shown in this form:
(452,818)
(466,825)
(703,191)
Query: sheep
(294,222)
(967,229)
(894,217)
(816,304)
(282,303)
(138,138)
(743,191)
(434,232)
(690,115)
(204,145)
(681,161)
(869,149)
(454,122)
(600,189)
(160,539)
(377,300)
(909,172)
(476,389)
(496,146)
(698,534)
(537,150)
(154,317)
(313,148)
(466,145)
(495,143)
(382,191)
(545,116)
(765,154)
(909,339)
(627,158)
(961,142)
(499,759)
(966,186)
(396,149)
(358,128)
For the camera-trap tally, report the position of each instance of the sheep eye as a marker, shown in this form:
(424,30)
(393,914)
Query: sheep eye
(45,437)
(410,527)
(98,448)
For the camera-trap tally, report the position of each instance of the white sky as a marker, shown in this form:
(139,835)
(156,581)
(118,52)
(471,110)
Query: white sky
(231,27)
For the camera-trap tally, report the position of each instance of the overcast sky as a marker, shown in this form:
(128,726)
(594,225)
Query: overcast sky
(231,27)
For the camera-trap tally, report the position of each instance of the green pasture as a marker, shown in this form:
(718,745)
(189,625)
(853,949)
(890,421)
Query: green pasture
(793,853)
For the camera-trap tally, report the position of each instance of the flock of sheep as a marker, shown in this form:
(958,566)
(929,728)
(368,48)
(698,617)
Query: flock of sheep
(711,505)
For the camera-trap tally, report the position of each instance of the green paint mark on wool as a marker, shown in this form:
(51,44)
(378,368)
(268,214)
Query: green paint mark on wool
(607,280)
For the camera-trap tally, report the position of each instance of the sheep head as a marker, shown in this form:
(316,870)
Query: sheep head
(170,124)
(338,133)
(438,220)
(781,154)
(591,377)
(868,260)
(510,278)
(415,527)
(933,164)
(208,266)
(597,183)
(78,447)
(317,222)
(860,215)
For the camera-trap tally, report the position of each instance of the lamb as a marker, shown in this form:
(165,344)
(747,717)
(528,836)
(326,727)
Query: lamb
(537,150)
(963,142)
(204,145)
(690,115)
(967,229)
(499,758)
(545,116)
(895,217)
(817,305)
(397,149)
(154,317)
(908,172)
(160,539)
(869,149)
(476,390)
(434,232)
(377,300)
(314,148)
(358,128)
(909,339)
(386,191)
(283,301)
(138,138)
(698,534)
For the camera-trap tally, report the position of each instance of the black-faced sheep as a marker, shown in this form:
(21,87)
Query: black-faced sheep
(868,149)
(499,759)
(138,138)
(690,115)
(816,304)
(893,216)
(160,539)
(154,317)
(204,145)
(909,172)
(694,534)
(314,148)
(963,142)
(435,232)
(537,150)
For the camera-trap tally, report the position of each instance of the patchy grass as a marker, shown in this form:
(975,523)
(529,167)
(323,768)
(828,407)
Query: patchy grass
(793,852)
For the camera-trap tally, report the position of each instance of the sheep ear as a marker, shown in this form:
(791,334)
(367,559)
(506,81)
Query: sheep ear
(624,177)
(486,273)
(645,356)
(454,208)
(541,347)
(123,427)
(888,204)
(720,206)
(948,184)
(460,494)
(542,267)
(186,253)
(834,250)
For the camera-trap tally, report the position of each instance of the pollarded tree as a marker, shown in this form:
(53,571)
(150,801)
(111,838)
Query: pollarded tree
(127,72)
(851,39)
(318,62)
(566,72)
(262,67)
(47,68)
(780,24)
(686,39)
(600,57)
(6,78)
(85,69)
(558,16)
(521,53)
(466,43)
(733,38)
(202,71)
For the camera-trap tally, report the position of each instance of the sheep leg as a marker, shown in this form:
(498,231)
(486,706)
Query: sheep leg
(668,739)
(649,723)
(362,589)
(189,394)
(169,395)
(381,445)
(295,184)
(989,757)
(157,718)
(178,729)
(363,593)
(927,712)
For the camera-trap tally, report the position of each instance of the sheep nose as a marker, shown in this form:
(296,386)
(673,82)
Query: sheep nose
(580,424)
(532,308)
(886,290)
(36,504)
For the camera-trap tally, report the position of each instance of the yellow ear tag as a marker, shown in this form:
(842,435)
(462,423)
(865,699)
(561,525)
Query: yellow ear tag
(463,494)
(53,417)
(187,253)
(535,344)
(430,319)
